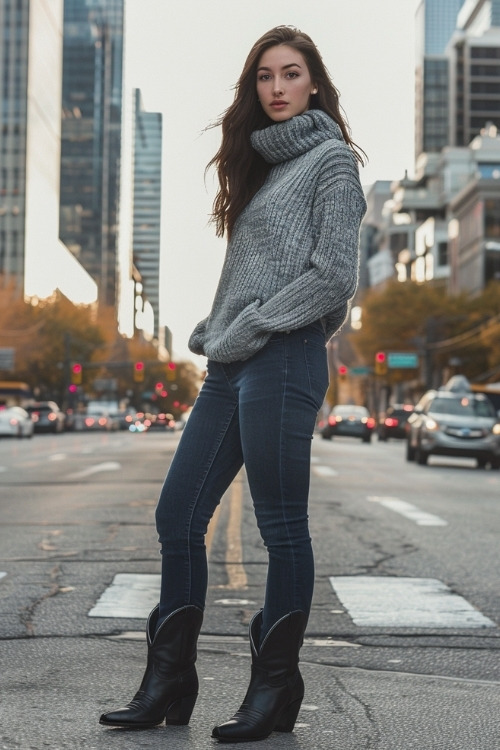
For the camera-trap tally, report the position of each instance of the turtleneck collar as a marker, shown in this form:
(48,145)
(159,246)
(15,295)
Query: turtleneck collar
(283,141)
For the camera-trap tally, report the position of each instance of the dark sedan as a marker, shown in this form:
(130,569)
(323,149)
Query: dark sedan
(47,416)
(393,423)
(349,421)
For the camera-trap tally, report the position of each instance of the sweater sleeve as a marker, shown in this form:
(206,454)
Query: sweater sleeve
(326,288)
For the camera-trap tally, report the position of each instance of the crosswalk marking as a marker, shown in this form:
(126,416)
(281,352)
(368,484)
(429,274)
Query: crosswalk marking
(2,575)
(420,517)
(373,601)
(130,595)
(325,471)
(106,466)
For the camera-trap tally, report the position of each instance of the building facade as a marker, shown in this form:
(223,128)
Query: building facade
(91,137)
(474,54)
(32,258)
(435,23)
(147,171)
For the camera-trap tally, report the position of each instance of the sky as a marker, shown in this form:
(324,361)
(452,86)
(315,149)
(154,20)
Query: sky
(186,57)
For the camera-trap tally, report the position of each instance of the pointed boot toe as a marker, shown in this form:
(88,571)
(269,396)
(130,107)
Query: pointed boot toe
(169,687)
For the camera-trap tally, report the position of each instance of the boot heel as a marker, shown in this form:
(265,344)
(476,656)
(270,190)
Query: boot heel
(179,712)
(286,721)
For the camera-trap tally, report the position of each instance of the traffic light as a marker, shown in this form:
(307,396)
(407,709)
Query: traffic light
(171,371)
(76,374)
(139,372)
(342,371)
(380,363)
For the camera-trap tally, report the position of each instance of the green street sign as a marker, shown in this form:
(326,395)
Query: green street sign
(360,370)
(402,360)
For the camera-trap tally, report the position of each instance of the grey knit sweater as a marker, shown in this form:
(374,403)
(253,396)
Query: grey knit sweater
(293,254)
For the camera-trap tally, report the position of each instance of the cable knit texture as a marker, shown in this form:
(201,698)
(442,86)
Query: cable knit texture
(294,252)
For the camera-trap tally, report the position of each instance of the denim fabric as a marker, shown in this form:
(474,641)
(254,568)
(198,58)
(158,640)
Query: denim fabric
(260,413)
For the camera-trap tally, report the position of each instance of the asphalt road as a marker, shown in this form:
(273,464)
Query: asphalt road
(385,668)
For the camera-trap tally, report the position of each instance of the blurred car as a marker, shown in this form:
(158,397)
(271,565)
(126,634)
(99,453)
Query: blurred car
(161,421)
(447,423)
(349,421)
(47,416)
(100,419)
(124,417)
(15,422)
(393,423)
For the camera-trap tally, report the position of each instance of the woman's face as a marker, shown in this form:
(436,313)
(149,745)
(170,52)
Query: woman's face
(284,84)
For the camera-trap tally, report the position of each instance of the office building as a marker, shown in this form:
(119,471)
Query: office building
(32,258)
(435,24)
(91,137)
(475,71)
(147,170)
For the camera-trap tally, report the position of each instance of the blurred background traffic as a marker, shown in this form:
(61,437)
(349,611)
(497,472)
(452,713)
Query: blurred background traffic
(82,192)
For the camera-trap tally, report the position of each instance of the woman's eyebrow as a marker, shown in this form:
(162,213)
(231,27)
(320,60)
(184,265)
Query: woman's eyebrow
(290,65)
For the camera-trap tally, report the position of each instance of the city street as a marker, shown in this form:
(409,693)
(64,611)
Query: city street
(403,640)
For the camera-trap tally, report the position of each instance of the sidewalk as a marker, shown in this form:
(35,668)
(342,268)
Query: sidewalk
(54,689)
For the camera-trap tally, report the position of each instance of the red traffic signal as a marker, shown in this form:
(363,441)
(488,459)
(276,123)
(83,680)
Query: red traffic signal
(380,363)
(342,370)
(171,371)
(139,372)
(76,373)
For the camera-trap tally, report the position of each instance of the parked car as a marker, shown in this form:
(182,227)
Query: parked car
(393,423)
(447,423)
(15,422)
(47,416)
(349,421)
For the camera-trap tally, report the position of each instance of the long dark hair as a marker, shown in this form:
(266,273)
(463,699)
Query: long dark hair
(240,169)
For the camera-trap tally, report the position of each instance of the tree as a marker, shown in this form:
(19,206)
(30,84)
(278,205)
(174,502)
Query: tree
(447,331)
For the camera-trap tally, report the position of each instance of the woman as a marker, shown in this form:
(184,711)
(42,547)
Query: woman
(291,203)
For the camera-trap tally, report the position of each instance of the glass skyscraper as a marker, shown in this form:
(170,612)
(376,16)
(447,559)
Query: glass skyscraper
(14,19)
(435,23)
(147,202)
(91,137)
(33,260)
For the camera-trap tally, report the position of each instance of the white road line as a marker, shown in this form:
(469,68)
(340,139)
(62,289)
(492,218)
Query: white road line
(420,517)
(2,575)
(130,595)
(405,603)
(58,457)
(325,471)
(107,466)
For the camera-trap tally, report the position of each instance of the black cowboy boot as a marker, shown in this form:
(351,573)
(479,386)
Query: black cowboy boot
(276,688)
(169,687)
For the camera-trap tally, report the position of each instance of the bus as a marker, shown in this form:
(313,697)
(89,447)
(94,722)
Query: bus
(15,393)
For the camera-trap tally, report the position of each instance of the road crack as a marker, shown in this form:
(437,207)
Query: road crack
(26,616)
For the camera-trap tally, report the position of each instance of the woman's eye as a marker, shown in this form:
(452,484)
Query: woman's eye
(292,74)
(264,77)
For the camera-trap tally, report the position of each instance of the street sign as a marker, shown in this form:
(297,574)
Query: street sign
(402,360)
(361,370)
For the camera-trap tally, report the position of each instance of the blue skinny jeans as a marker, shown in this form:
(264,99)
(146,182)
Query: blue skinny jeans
(259,413)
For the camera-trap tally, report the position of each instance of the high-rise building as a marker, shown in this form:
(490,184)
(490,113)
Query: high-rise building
(435,24)
(91,136)
(32,258)
(475,71)
(147,170)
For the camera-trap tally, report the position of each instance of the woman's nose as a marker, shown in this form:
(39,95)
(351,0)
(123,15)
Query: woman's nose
(277,88)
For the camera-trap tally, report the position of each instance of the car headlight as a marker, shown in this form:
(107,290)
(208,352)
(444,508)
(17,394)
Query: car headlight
(431,424)
(496,429)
